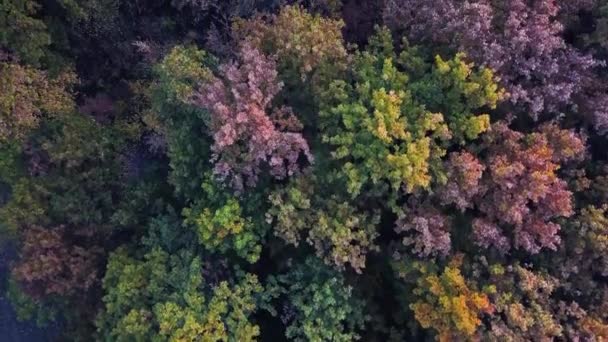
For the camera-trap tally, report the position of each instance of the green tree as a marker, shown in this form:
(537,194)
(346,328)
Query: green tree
(22,32)
(182,124)
(164,297)
(79,179)
(224,222)
(319,305)
(384,121)
(339,232)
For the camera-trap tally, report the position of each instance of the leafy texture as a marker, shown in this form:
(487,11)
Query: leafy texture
(179,124)
(527,307)
(464,172)
(380,126)
(222,225)
(26,94)
(521,40)
(165,297)
(51,265)
(23,33)
(306,45)
(520,187)
(240,170)
(427,231)
(244,124)
(449,305)
(337,231)
(319,305)
(81,182)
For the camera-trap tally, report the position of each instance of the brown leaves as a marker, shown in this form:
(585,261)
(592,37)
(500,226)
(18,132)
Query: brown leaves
(26,94)
(52,263)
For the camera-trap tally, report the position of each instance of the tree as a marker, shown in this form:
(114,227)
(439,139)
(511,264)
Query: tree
(381,127)
(428,231)
(165,297)
(528,306)
(308,47)
(318,304)
(51,264)
(338,231)
(247,131)
(81,177)
(26,94)
(179,123)
(449,304)
(522,41)
(222,224)
(520,187)
(22,32)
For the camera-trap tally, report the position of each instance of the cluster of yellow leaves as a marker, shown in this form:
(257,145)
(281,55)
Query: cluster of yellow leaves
(220,223)
(226,304)
(386,124)
(392,121)
(226,223)
(449,305)
(459,90)
(380,132)
(411,165)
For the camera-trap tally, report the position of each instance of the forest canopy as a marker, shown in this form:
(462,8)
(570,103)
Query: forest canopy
(307,170)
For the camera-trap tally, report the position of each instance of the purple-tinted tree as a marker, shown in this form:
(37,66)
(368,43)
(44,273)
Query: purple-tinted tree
(520,189)
(248,131)
(521,40)
(427,231)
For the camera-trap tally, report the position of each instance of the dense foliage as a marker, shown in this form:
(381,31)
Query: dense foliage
(308,170)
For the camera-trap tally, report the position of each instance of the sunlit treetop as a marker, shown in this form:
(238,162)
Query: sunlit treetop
(449,304)
(392,123)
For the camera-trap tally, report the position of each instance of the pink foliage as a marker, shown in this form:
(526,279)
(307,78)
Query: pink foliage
(521,40)
(464,172)
(488,234)
(523,189)
(519,189)
(245,133)
(428,232)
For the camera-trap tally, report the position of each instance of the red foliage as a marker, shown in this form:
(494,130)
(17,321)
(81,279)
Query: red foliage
(520,188)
